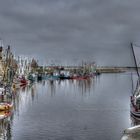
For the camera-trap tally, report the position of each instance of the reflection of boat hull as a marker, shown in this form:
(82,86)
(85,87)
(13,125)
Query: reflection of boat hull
(80,77)
(39,77)
(23,81)
(4,114)
(64,77)
(5,106)
(23,84)
(15,86)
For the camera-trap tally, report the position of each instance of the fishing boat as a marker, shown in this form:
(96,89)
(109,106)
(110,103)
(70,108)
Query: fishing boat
(135,102)
(135,98)
(6,106)
(22,80)
(63,76)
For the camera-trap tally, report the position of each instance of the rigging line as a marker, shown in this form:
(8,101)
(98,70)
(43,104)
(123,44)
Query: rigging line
(135,60)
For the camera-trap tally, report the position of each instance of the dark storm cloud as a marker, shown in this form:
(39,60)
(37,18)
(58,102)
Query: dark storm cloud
(72,30)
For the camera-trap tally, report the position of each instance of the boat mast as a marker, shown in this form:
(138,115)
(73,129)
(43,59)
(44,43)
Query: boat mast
(135,60)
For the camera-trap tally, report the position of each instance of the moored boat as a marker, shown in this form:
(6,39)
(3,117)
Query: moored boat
(135,101)
(63,77)
(135,106)
(135,98)
(52,77)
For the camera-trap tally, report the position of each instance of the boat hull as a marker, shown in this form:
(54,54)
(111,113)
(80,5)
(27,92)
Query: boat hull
(135,114)
(133,110)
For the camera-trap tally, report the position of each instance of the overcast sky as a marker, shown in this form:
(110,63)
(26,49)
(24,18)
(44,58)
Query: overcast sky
(69,31)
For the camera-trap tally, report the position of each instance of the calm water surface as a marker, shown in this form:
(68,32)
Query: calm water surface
(96,109)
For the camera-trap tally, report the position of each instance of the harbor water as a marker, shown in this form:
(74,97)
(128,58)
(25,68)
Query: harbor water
(95,109)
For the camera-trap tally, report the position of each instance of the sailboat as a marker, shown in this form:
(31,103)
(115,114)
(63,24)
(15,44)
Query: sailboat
(135,98)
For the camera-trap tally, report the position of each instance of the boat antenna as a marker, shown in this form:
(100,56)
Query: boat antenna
(135,60)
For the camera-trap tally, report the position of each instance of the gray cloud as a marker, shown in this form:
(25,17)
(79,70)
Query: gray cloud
(72,30)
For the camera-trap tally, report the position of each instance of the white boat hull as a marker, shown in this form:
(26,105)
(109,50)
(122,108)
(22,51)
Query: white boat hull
(133,110)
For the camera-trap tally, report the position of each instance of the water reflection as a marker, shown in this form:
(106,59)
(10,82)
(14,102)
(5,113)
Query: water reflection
(5,125)
(69,109)
(22,96)
(52,86)
(83,86)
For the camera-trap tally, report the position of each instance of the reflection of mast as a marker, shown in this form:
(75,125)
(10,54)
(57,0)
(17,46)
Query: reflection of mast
(84,85)
(52,87)
(5,128)
(32,93)
(7,62)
